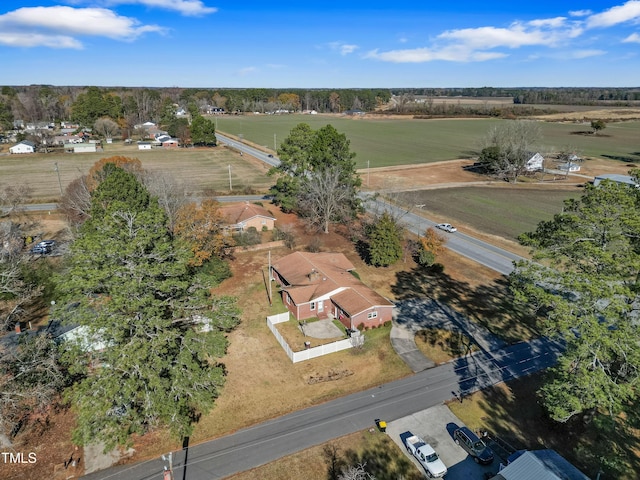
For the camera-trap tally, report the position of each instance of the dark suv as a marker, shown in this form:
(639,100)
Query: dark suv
(473,445)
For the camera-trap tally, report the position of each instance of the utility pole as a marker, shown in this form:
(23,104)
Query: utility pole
(59,182)
(230,186)
(269,279)
(367,173)
(168,473)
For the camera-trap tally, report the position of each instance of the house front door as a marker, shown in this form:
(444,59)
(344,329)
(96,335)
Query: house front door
(320,306)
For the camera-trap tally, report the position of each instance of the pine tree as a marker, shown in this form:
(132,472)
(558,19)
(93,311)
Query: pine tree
(132,291)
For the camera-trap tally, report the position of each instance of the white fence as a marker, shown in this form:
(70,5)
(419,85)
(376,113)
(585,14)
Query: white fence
(309,353)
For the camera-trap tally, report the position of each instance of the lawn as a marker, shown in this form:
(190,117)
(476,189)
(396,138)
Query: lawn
(391,141)
(200,169)
(503,211)
(384,459)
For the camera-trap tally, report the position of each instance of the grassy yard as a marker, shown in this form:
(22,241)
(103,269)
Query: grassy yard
(384,459)
(199,169)
(503,211)
(393,141)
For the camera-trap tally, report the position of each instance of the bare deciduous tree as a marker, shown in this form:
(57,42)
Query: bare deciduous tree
(509,146)
(325,198)
(106,127)
(171,194)
(12,198)
(30,379)
(356,472)
(76,201)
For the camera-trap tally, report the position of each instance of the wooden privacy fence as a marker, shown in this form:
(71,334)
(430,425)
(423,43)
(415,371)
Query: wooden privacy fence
(309,353)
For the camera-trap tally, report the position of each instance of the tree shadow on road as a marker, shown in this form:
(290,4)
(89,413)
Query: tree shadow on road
(491,305)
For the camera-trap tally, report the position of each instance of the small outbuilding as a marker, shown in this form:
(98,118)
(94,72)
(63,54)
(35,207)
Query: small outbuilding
(614,177)
(24,146)
(144,145)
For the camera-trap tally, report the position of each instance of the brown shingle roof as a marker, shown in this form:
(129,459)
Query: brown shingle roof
(241,212)
(312,275)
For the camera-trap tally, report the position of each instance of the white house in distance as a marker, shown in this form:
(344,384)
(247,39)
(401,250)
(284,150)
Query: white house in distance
(535,163)
(144,145)
(24,146)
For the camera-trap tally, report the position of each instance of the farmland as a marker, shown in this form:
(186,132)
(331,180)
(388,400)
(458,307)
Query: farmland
(504,212)
(390,141)
(200,169)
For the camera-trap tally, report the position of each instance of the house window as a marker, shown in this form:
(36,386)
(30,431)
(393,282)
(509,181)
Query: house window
(371,315)
(312,306)
(264,222)
(288,299)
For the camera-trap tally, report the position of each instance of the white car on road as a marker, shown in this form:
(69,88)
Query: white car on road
(447,227)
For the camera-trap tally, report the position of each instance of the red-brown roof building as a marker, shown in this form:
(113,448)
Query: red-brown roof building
(322,285)
(240,217)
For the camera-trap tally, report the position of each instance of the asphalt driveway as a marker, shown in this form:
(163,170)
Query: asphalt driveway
(436,425)
(411,316)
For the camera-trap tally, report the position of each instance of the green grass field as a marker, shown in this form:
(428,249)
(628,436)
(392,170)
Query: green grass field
(386,142)
(506,211)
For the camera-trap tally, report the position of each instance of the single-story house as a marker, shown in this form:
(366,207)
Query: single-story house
(569,167)
(322,285)
(535,163)
(144,145)
(81,147)
(538,465)
(170,143)
(24,146)
(614,177)
(239,217)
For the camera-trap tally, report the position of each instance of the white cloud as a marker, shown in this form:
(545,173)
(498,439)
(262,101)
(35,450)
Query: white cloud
(580,13)
(58,26)
(633,38)
(17,39)
(629,11)
(586,53)
(192,8)
(489,42)
(421,55)
(549,22)
(343,48)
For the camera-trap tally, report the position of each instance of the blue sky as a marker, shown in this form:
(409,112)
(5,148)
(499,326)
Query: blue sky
(329,44)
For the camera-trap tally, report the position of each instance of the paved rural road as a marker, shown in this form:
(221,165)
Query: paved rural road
(268,441)
(484,253)
(259,154)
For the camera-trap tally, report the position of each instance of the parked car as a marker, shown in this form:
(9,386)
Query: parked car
(447,227)
(475,447)
(40,250)
(47,243)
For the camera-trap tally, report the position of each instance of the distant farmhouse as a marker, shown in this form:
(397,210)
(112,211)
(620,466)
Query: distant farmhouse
(24,146)
(535,162)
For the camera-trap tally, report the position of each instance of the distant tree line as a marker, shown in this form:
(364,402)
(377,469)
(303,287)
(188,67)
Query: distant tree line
(536,95)
(129,106)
